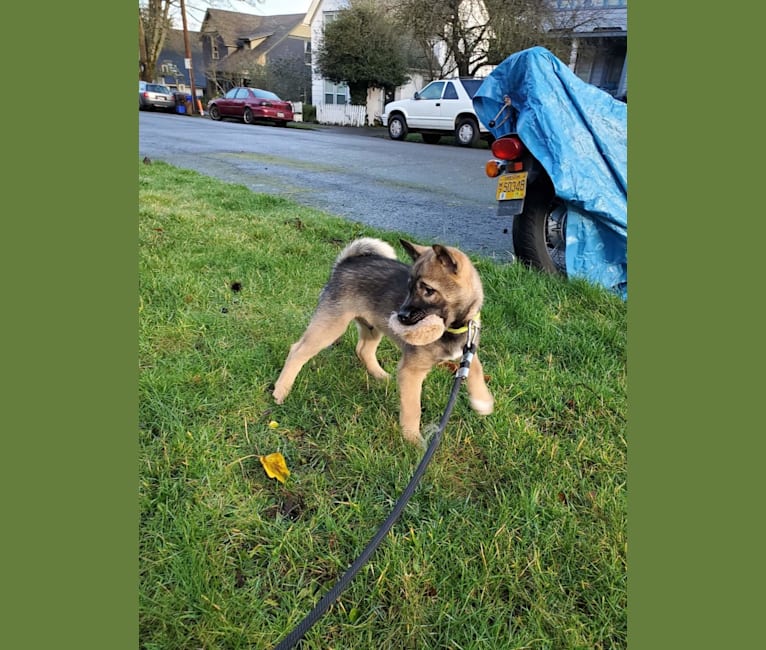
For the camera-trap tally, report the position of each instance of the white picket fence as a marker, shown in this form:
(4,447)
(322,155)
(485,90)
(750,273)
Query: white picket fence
(342,114)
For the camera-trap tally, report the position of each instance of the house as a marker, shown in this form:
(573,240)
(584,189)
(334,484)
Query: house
(332,99)
(171,66)
(244,49)
(598,52)
(248,50)
(324,91)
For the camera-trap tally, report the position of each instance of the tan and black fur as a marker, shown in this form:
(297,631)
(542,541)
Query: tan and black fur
(367,285)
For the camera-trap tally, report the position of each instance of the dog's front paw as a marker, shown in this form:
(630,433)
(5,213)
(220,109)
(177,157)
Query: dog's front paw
(414,437)
(482,406)
(379,374)
(279,394)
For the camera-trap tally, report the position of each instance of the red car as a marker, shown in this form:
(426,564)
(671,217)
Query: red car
(251,105)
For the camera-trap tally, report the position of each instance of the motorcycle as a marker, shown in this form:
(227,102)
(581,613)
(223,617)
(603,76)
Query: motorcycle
(560,159)
(525,194)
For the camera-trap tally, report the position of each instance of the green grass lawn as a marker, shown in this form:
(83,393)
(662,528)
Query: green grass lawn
(516,536)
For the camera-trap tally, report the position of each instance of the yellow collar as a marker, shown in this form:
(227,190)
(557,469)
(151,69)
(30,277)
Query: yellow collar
(464,329)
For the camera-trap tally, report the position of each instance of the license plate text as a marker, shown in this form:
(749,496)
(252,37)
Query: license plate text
(511,186)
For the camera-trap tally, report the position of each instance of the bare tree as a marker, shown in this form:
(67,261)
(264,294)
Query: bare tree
(470,34)
(457,31)
(154,23)
(516,25)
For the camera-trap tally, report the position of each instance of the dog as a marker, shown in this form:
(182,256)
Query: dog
(424,308)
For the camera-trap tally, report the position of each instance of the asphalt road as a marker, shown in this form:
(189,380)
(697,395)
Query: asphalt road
(434,193)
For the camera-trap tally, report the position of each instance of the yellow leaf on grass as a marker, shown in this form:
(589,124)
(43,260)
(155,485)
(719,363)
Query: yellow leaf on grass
(275,466)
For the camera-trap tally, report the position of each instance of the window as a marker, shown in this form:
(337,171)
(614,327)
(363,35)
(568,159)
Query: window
(471,86)
(335,93)
(307,52)
(214,49)
(432,90)
(450,92)
(263,94)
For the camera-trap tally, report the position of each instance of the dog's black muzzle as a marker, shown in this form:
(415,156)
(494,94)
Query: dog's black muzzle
(409,315)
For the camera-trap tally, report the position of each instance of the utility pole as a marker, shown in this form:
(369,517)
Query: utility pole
(189,59)
(141,50)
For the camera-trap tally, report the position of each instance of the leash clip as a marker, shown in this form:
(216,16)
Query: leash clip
(469,349)
(473,332)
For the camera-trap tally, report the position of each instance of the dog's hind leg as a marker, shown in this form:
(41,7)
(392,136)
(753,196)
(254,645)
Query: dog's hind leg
(369,339)
(321,333)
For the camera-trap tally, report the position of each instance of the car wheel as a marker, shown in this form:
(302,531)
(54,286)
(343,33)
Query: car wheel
(247,116)
(397,127)
(467,132)
(214,113)
(431,138)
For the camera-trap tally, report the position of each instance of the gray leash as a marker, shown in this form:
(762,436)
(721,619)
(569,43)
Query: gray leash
(329,598)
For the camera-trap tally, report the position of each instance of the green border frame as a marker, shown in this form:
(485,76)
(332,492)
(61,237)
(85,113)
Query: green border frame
(70,396)
(71,328)
(694,561)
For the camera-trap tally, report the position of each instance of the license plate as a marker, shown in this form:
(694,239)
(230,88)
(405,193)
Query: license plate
(280,114)
(511,186)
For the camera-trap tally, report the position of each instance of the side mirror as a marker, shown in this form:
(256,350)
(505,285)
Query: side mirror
(416,96)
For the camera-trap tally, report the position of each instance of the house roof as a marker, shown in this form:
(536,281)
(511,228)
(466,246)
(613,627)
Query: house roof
(174,50)
(238,62)
(233,26)
(601,20)
(236,29)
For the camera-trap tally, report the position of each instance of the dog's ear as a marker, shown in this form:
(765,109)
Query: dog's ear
(446,258)
(413,250)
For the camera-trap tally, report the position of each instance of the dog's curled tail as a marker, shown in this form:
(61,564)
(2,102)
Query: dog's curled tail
(366,246)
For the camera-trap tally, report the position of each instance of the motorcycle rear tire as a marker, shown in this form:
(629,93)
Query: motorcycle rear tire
(531,229)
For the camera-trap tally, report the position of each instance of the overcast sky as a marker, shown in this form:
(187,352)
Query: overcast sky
(195,9)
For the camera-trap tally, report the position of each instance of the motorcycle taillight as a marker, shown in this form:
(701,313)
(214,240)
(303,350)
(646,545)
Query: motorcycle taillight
(507,148)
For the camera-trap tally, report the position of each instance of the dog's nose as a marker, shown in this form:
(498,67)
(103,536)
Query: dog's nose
(409,316)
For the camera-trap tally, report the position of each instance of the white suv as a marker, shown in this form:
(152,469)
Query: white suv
(443,107)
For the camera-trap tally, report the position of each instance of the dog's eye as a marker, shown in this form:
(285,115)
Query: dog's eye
(428,291)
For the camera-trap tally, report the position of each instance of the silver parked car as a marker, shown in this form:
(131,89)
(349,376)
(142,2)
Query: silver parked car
(155,96)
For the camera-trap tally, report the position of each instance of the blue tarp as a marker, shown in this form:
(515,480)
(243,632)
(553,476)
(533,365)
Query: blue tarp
(579,134)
